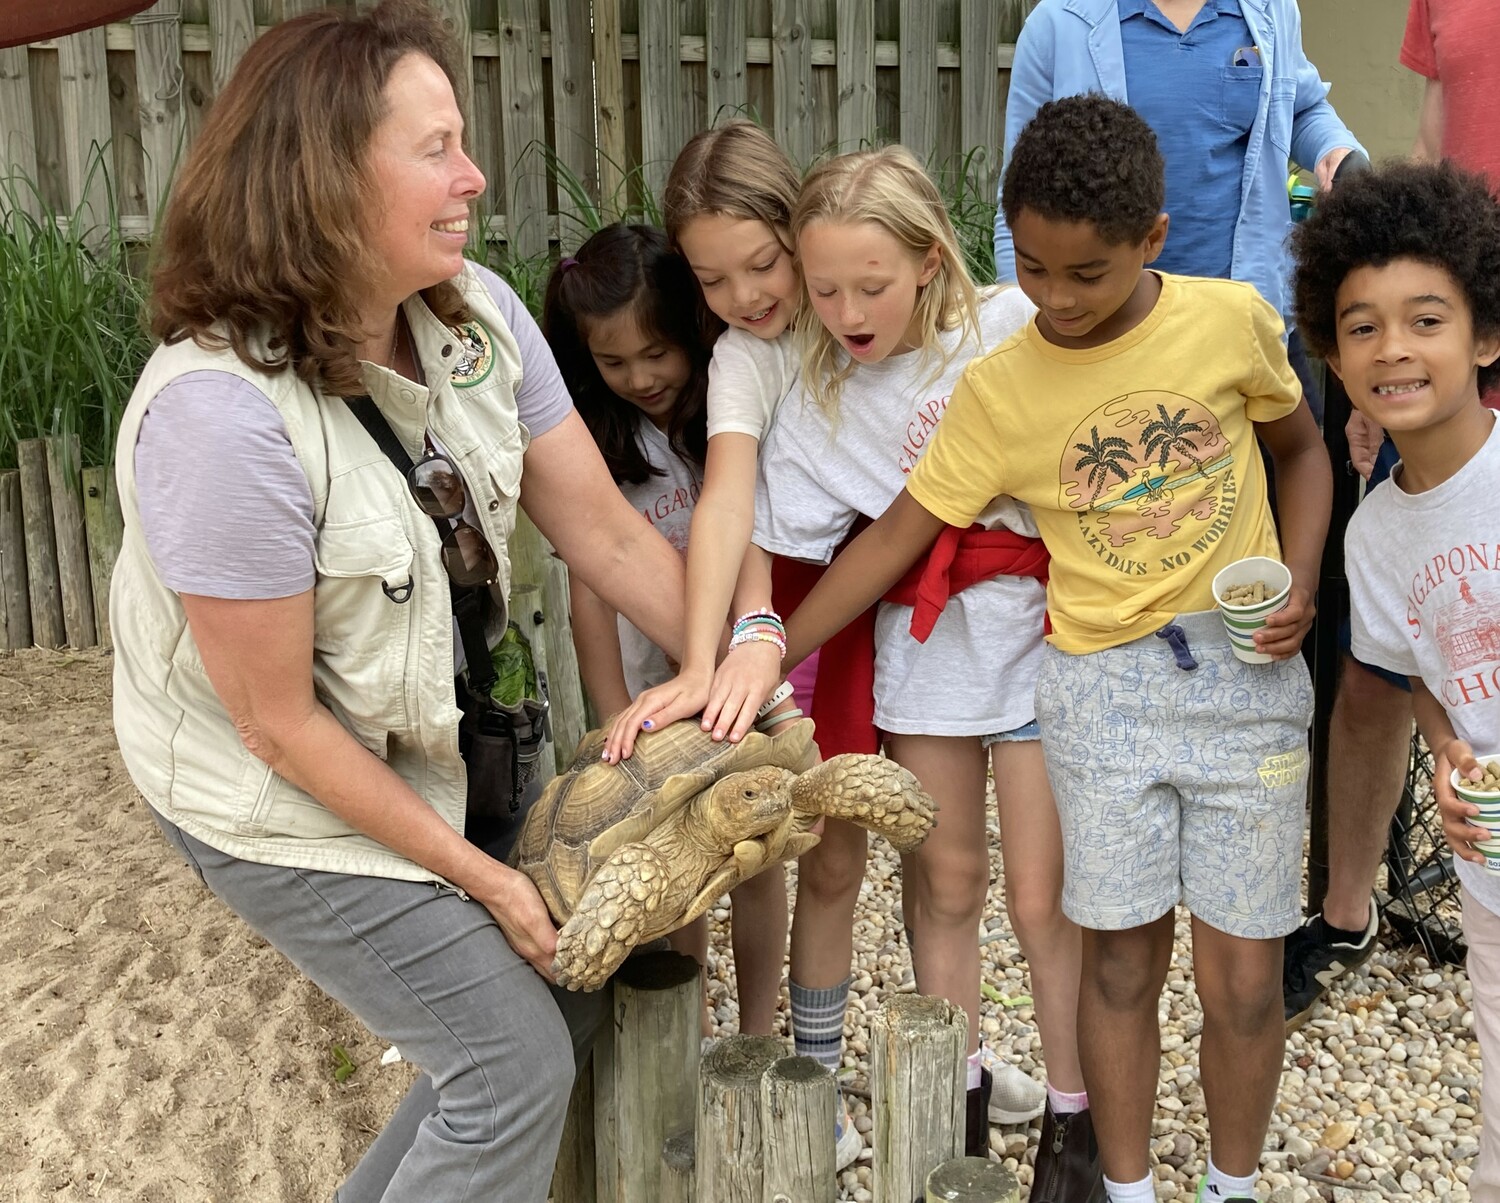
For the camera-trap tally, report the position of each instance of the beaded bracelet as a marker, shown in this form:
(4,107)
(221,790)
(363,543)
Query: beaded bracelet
(771,615)
(759,624)
(759,637)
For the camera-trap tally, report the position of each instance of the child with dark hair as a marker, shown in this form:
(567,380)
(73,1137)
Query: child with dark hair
(633,338)
(1398,287)
(1125,414)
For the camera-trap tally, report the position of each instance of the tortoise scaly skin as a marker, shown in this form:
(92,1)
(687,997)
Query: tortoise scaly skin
(628,852)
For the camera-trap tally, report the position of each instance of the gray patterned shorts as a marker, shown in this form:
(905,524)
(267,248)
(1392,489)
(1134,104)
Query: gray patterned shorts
(1176,783)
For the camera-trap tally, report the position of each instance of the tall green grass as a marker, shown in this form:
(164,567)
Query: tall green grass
(72,331)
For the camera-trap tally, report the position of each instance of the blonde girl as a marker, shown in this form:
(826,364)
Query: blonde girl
(633,340)
(895,319)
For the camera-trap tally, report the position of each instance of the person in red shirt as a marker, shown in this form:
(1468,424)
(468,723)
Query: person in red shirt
(1455,46)
(1452,44)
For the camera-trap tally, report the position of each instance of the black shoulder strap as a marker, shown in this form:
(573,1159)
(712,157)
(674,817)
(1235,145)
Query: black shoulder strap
(468,604)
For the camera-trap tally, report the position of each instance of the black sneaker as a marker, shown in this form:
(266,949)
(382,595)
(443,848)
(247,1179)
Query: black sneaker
(1067,1168)
(977,1118)
(1314,959)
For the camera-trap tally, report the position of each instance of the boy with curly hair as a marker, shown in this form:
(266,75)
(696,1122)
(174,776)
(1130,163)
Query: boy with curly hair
(1398,287)
(1126,416)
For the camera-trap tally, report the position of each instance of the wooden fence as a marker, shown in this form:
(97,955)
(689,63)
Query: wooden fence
(611,88)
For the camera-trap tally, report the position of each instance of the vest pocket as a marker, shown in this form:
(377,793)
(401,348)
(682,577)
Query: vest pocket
(375,547)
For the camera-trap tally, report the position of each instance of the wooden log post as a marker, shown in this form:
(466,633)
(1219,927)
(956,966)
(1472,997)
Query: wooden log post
(678,1183)
(972,1180)
(798,1098)
(63,465)
(647,1083)
(105,527)
(573,1176)
(15,600)
(917,1047)
(730,1152)
(539,606)
(44,589)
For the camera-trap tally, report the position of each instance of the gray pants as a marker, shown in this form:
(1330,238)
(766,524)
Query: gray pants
(431,973)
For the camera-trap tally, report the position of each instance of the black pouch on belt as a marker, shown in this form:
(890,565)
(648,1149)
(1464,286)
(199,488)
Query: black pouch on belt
(501,744)
(501,747)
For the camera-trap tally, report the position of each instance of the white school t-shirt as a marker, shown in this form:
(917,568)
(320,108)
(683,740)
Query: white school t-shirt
(1424,591)
(976,674)
(748,378)
(667,501)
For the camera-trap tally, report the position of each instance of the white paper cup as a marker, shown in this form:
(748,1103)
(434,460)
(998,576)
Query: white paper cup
(1241,622)
(1488,817)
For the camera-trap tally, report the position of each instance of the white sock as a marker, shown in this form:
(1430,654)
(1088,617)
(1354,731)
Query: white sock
(975,1070)
(1143,1191)
(1226,1186)
(1064,1103)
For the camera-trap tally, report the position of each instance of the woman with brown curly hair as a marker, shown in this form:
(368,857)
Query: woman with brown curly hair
(285,635)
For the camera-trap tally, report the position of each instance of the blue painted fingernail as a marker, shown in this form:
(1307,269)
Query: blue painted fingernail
(646,724)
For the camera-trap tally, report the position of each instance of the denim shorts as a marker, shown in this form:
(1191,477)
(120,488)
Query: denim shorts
(1018,735)
(1180,774)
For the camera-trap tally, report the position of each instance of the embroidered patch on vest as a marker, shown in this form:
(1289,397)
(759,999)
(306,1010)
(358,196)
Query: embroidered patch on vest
(476,354)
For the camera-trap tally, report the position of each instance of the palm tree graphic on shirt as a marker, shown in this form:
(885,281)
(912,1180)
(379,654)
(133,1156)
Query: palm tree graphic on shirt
(1168,435)
(1101,456)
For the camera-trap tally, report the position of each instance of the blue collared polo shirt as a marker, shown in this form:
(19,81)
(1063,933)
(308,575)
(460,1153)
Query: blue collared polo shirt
(1199,91)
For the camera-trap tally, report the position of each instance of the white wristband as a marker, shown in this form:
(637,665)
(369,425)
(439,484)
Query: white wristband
(778,695)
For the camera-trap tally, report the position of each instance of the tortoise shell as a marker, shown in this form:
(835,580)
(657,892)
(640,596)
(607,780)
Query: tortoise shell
(593,808)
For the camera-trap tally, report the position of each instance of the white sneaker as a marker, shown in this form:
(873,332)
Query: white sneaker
(1015,1096)
(847,1142)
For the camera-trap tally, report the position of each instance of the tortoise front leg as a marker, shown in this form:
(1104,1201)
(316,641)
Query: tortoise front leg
(617,911)
(871,792)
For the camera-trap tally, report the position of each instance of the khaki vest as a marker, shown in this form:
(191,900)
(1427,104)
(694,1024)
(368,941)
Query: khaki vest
(383,667)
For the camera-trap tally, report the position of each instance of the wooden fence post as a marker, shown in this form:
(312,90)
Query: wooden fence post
(158,73)
(726,53)
(47,629)
(63,459)
(522,127)
(85,122)
(678,1184)
(539,606)
(972,1180)
(573,1176)
(653,1070)
(729,1149)
(855,64)
(17,126)
(15,599)
(798,1099)
(917,1046)
(105,527)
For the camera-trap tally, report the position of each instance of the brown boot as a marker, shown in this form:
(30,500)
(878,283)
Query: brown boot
(1067,1161)
(977,1121)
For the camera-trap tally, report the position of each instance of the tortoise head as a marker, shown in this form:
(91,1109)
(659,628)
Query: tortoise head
(745,804)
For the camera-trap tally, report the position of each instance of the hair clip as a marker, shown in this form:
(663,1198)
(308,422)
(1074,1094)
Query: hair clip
(567,263)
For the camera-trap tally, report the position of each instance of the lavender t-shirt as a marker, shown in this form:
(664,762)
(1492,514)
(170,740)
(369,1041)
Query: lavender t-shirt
(225,507)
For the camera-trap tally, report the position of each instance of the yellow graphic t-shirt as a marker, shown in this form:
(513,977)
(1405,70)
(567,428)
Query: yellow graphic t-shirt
(1138,458)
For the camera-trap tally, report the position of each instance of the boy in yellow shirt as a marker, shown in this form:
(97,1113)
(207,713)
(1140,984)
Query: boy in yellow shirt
(1126,416)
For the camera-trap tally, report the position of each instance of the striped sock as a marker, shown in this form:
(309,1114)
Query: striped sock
(818,1022)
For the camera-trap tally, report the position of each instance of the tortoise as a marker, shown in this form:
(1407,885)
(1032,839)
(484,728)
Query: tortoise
(625,853)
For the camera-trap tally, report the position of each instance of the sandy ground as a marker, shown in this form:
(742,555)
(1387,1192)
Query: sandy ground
(156,1050)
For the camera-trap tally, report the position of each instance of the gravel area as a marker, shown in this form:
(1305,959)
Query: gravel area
(1378,1100)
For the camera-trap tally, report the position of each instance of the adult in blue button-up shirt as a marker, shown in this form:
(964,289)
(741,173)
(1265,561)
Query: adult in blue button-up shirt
(1191,69)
